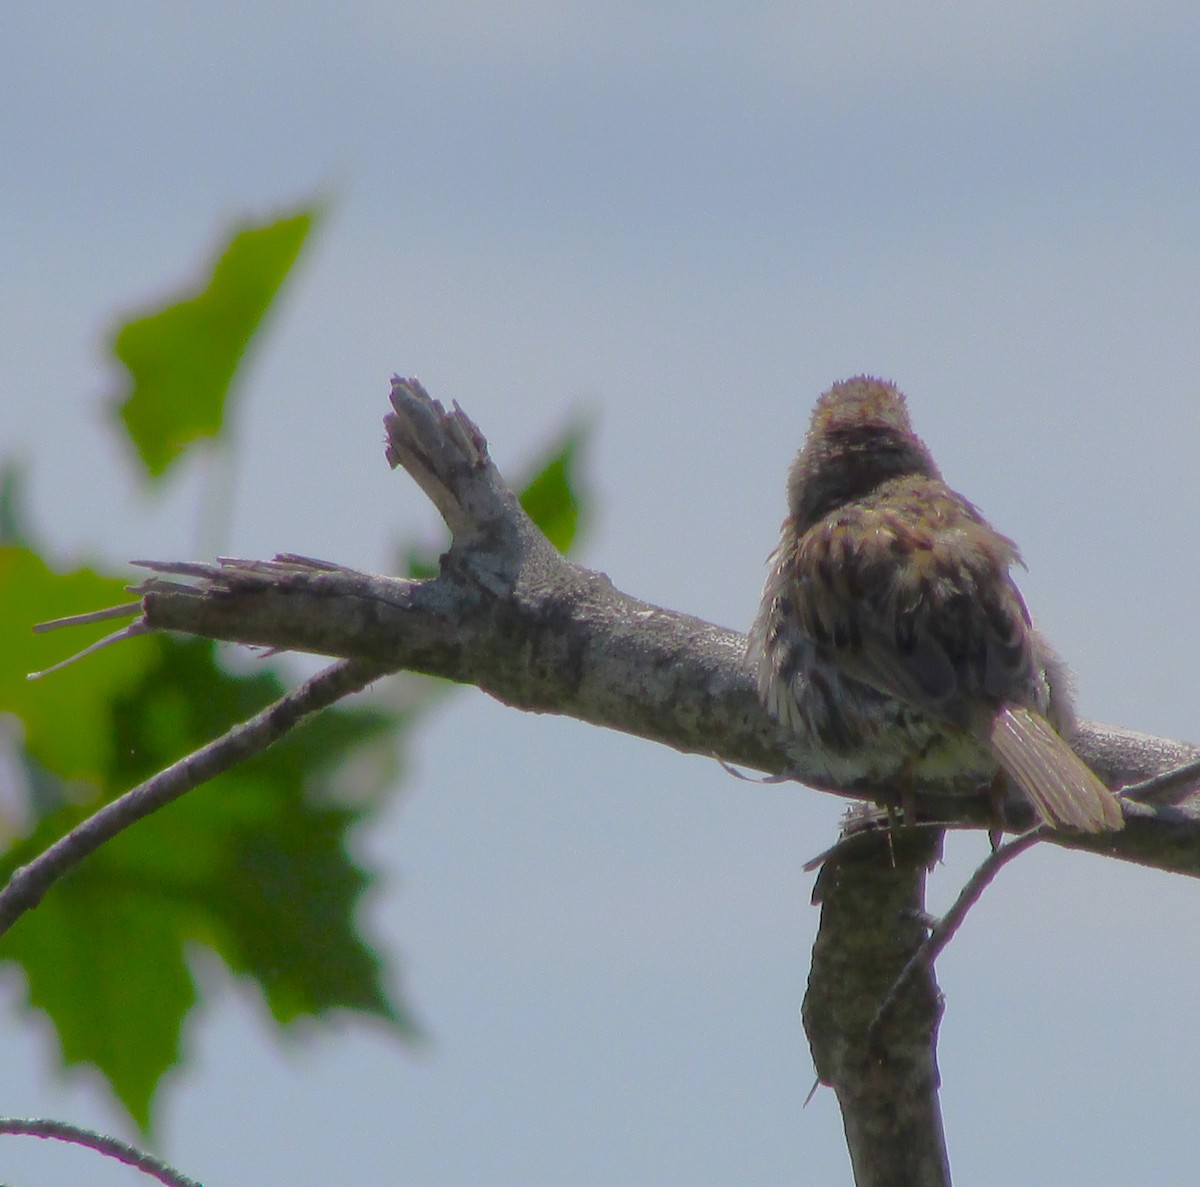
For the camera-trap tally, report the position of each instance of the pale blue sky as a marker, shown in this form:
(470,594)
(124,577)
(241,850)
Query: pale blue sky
(683,221)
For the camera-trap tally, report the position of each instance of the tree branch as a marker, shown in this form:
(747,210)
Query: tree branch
(872,926)
(944,929)
(40,1127)
(29,883)
(509,614)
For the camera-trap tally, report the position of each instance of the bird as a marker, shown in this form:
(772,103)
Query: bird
(891,640)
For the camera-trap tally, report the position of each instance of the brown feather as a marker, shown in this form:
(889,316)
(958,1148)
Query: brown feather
(891,634)
(1057,782)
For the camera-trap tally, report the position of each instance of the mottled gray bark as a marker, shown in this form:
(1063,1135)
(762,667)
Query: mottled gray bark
(872,922)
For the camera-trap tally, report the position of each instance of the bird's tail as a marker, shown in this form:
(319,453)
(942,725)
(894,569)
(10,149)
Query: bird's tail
(1063,790)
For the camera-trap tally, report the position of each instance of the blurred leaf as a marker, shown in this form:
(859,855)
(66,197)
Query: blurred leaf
(418,563)
(254,865)
(12,513)
(182,358)
(103,959)
(282,904)
(551,498)
(66,716)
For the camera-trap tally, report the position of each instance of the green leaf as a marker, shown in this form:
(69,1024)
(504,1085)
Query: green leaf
(103,960)
(551,498)
(254,865)
(280,889)
(13,529)
(183,357)
(66,716)
(418,562)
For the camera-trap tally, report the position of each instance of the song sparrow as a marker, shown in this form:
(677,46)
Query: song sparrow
(891,639)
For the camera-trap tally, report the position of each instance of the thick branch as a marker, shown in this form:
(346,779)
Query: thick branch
(872,925)
(507,613)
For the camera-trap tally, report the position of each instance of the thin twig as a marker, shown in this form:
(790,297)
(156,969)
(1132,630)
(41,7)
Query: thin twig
(62,1131)
(1163,788)
(123,611)
(941,934)
(762,780)
(131,631)
(29,883)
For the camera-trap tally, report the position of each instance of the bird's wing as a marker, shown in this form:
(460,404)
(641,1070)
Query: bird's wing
(914,598)
(918,604)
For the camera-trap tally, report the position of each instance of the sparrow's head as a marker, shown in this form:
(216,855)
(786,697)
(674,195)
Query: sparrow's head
(859,437)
